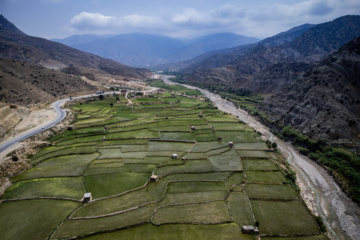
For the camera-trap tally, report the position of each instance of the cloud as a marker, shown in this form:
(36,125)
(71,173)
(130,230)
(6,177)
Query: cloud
(260,20)
(97,21)
(86,20)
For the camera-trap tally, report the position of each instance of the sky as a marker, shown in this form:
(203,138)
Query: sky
(174,18)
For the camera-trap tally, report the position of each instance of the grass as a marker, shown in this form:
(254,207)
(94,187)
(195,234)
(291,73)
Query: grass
(189,187)
(192,197)
(30,219)
(57,171)
(77,228)
(226,163)
(235,179)
(65,151)
(210,213)
(164,146)
(212,185)
(212,176)
(236,136)
(73,160)
(191,166)
(208,146)
(283,218)
(121,203)
(177,232)
(262,191)
(253,154)
(265,177)
(259,164)
(227,126)
(188,136)
(47,187)
(142,133)
(240,209)
(117,153)
(111,184)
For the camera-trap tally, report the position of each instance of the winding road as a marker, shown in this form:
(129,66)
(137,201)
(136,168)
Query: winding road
(61,114)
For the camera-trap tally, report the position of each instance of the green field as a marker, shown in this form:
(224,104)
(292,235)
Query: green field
(208,192)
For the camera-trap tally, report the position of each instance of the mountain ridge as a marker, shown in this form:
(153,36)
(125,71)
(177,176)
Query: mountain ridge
(138,49)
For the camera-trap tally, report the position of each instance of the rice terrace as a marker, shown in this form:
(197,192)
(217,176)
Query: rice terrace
(168,166)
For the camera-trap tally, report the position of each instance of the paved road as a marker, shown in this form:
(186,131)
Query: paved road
(61,114)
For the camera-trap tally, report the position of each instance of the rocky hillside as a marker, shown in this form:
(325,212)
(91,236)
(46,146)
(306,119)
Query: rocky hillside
(34,70)
(312,91)
(16,45)
(228,56)
(325,102)
(26,84)
(245,66)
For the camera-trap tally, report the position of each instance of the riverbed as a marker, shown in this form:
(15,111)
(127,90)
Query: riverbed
(319,190)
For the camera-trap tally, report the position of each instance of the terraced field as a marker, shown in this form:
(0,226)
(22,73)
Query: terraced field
(209,191)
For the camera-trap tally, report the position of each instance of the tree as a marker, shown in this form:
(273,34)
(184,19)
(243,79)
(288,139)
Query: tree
(101,97)
(15,158)
(111,104)
(274,145)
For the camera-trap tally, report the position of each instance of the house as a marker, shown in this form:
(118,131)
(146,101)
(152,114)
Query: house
(249,229)
(174,156)
(87,197)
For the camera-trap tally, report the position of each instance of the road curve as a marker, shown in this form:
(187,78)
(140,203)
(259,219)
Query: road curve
(61,114)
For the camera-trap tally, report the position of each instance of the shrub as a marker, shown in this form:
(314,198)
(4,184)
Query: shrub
(15,158)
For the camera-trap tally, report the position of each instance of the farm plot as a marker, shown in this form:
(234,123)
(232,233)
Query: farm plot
(124,158)
(283,218)
(47,187)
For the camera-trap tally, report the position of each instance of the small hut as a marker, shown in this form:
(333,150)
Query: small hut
(249,229)
(154,178)
(104,138)
(174,156)
(193,128)
(231,144)
(87,197)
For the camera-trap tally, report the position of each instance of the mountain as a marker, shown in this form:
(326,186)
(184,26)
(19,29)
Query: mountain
(304,82)
(31,68)
(325,102)
(18,46)
(137,49)
(245,66)
(226,56)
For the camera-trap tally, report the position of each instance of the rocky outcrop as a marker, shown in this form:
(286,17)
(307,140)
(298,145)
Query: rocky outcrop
(324,103)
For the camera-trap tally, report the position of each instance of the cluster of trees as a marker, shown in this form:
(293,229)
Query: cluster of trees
(342,164)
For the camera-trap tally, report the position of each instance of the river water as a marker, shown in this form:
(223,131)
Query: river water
(318,189)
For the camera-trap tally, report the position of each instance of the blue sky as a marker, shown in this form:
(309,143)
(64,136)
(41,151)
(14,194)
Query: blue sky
(179,18)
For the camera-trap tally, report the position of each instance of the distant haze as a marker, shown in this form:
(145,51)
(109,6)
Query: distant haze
(146,50)
(180,19)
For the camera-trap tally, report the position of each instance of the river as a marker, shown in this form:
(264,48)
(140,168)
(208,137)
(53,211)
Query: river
(321,193)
